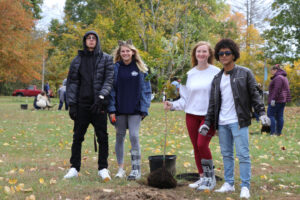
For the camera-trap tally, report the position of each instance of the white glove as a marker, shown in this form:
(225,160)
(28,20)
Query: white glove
(203,129)
(265,120)
(273,103)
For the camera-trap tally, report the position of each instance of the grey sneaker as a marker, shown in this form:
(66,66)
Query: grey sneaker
(121,173)
(134,175)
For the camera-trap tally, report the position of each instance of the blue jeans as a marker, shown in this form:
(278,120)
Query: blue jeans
(275,113)
(228,135)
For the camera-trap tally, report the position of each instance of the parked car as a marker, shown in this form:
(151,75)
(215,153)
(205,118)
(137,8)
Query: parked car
(30,91)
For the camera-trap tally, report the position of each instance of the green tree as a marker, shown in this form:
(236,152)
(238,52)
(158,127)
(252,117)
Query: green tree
(283,38)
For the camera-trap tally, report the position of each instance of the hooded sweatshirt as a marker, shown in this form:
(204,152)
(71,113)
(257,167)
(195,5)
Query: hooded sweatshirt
(87,70)
(279,89)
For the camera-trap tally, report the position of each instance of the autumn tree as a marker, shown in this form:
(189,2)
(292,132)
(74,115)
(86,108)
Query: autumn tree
(20,46)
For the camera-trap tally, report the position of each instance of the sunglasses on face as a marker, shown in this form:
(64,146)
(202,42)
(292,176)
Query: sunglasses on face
(91,38)
(222,53)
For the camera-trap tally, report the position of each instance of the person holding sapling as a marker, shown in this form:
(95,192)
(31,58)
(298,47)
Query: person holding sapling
(194,98)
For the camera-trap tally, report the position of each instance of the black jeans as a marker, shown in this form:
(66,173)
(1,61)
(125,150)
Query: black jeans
(99,121)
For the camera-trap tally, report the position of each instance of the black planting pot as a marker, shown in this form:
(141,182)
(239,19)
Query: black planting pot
(156,162)
(24,106)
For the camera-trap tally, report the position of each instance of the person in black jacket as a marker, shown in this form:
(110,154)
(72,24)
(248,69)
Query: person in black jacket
(89,83)
(233,94)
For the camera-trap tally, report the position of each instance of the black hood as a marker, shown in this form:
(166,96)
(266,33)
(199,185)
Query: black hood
(97,49)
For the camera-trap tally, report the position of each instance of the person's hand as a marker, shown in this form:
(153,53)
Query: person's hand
(203,130)
(143,115)
(112,118)
(73,112)
(273,103)
(98,106)
(167,105)
(265,120)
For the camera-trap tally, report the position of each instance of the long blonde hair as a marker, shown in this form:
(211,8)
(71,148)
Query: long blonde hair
(210,50)
(136,56)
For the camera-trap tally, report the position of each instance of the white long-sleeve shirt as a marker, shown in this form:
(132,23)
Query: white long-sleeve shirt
(194,96)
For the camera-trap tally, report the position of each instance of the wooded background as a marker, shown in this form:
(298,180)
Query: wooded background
(164,31)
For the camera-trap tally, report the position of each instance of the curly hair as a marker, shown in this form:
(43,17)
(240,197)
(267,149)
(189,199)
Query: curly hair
(193,54)
(230,44)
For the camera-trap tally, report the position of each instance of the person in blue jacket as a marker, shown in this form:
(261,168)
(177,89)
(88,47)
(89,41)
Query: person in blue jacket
(129,101)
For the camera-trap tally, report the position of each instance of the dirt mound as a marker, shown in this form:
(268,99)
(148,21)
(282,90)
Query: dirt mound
(142,192)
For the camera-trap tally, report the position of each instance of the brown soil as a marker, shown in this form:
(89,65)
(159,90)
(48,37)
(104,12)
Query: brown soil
(140,192)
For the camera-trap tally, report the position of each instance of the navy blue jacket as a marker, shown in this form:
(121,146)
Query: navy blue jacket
(145,97)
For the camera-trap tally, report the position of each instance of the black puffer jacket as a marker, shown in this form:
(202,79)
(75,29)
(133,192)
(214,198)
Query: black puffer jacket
(245,95)
(103,73)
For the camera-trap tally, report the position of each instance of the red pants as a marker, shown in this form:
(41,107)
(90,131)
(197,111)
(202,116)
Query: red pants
(200,142)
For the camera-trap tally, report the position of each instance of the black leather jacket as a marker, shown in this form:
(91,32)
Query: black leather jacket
(245,95)
(103,74)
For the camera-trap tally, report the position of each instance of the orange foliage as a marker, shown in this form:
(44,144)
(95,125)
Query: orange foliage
(20,48)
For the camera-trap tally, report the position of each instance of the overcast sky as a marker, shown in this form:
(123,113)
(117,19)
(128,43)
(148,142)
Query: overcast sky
(51,9)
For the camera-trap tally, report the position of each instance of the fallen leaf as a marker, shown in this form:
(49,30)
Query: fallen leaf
(7,190)
(5,144)
(186,164)
(52,181)
(12,181)
(263,177)
(19,187)
(31,197)
(87,198)
(108,190)
(27,189)
(42,181)
(21,171)
(157,151)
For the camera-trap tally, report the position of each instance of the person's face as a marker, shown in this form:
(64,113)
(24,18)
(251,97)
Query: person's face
(126,54)
(202,54)
(273,71)
(226,56)
(91,41)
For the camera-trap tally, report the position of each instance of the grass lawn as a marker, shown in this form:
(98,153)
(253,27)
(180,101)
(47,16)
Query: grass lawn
(35,151)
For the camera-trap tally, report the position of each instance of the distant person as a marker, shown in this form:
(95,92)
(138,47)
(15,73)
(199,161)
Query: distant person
(194,99)
(47,89)
(42,101)
(233,94)
(176,83)
(129,102)
(279,95)
(89,83)
(62,95)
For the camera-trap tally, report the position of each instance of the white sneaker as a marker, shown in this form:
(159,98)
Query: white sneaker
(134,175)
(104,174)
(71,173)
(226,187)
(121,173)
(245,193)
(197,183)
